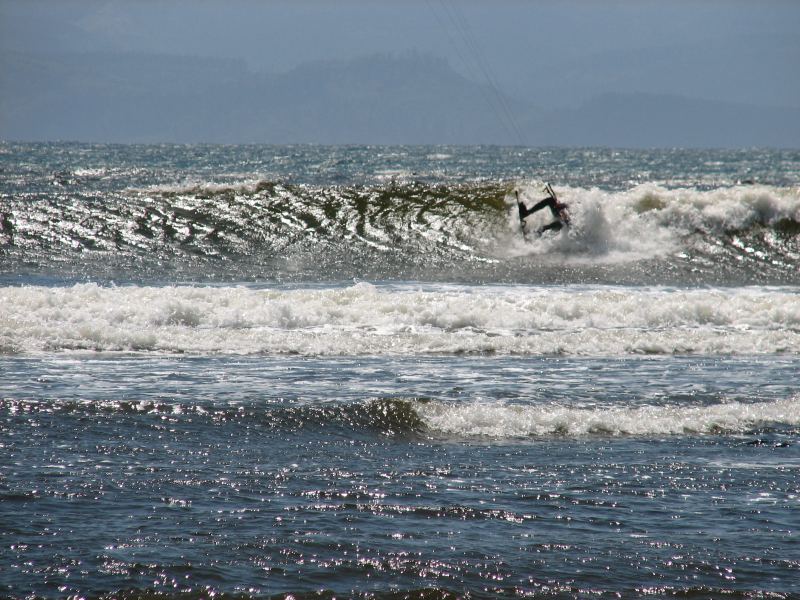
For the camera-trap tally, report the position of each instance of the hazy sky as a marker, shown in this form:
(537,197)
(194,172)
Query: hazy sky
(597,72)
(749,47)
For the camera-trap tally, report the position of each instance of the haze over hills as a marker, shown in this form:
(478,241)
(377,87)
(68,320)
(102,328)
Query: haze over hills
(408,98)
(381,99)
(644,74)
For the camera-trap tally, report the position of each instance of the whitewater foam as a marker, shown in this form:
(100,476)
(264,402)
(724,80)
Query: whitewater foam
(504,420)
(648,220)
(366,319)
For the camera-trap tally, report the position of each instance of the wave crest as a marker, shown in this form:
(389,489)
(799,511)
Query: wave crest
(501,420)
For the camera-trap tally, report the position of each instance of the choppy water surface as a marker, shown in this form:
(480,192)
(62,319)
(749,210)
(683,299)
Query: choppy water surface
(486,476)
(318,372)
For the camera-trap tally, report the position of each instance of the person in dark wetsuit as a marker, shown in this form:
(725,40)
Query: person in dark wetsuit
(558,209)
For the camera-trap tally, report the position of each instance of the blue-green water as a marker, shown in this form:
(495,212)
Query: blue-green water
(317,372)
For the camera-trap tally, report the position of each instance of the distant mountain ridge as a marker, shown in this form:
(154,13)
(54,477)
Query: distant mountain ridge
(379,99)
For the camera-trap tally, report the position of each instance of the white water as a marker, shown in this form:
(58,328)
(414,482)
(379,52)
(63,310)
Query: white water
(502,420)
(646,221)
(366,319)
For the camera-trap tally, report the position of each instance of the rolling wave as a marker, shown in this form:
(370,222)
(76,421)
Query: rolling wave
(264,230)
(415,416)
(387,416)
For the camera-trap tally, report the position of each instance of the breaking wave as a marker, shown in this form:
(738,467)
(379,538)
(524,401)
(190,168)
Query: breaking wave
(502,420)
(269,231)
(410,417)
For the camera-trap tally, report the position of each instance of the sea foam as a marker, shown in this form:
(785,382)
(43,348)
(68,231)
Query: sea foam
(648,220)
(366,319)
(504,420)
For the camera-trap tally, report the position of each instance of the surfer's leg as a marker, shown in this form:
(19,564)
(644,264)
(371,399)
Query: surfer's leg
(547,202)
(524,211)
(554,226)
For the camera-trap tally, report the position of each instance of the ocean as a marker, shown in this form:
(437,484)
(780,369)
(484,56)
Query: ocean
(347,372)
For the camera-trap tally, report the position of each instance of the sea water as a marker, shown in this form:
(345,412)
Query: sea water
(256,371)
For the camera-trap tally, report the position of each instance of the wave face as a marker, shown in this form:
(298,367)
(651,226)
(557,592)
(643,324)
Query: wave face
(437,418)
(126,223)
(385,416)
(367,319)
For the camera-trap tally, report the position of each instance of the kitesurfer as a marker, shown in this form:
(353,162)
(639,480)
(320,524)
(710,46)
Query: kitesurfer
(558,209)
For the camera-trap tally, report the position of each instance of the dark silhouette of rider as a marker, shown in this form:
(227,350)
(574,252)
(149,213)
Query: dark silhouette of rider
(558,209)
